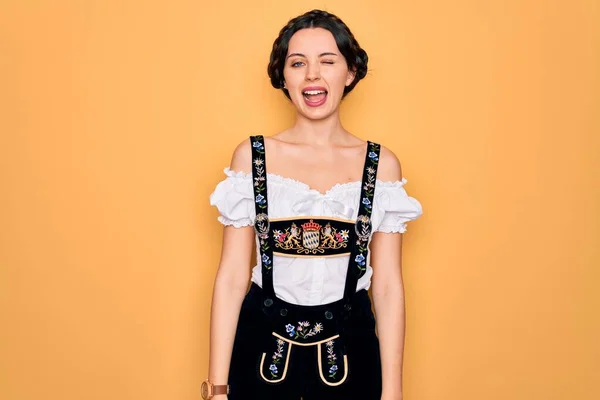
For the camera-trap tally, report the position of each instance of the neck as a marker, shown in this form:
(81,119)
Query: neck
(318,132)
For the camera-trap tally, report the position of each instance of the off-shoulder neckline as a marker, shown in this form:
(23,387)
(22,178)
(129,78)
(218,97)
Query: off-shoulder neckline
(304,186)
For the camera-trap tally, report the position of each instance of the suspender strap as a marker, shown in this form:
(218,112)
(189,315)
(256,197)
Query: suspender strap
(261,223)
(360,249)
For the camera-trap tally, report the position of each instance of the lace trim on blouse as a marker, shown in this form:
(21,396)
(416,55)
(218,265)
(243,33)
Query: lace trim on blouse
(233,197)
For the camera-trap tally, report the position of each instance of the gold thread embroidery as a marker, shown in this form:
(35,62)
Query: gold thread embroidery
(311,238)
(280,254)
(348,221)
(304,344)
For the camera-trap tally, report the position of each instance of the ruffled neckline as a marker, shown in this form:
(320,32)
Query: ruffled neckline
(305,187)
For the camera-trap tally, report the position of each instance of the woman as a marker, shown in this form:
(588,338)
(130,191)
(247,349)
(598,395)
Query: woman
(326,222)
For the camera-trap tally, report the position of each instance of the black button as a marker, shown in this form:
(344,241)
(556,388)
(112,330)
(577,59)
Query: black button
(283,312)
(347,307)
(268,302)
(328,315)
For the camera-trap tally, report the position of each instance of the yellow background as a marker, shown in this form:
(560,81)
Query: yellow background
(117,118)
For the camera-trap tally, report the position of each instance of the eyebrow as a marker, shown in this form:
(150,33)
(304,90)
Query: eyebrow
(302,55)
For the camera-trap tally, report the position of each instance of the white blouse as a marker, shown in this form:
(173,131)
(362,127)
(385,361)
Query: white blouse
(312,280)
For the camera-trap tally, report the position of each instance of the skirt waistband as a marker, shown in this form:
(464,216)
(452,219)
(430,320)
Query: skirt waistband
(361,306)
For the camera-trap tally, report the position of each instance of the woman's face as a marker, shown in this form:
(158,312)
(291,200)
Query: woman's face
(315,73)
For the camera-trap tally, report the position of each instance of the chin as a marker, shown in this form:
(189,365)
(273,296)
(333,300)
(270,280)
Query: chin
(317,113)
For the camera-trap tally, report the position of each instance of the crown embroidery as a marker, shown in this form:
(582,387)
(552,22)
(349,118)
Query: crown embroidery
(311,235)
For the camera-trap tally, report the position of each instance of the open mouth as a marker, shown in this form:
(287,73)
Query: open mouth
(314,97)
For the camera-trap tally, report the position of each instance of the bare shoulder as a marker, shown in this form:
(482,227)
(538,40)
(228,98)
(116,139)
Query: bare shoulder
(241,160)
(389,166)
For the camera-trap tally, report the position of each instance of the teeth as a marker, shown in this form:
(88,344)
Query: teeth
(313,92)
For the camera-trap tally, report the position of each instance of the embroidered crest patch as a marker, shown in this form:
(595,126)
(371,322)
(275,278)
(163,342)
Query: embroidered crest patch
(312,237)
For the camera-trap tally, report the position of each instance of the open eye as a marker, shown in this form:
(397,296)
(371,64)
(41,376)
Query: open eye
(297,64)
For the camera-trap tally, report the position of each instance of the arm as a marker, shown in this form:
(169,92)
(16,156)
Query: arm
(388,292)
(231,284)
(229,290)
(388,298)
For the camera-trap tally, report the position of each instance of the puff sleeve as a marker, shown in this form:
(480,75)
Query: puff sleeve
(394,207)
(234,198)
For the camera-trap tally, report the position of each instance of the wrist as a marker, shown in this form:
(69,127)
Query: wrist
(391,396)
(394,393)
(210,390)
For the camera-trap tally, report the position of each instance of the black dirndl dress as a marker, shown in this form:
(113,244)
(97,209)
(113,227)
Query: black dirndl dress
(284,351)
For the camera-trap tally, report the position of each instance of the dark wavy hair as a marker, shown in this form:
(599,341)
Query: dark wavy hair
(355,56)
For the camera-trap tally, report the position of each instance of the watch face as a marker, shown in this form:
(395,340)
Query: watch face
(204,390)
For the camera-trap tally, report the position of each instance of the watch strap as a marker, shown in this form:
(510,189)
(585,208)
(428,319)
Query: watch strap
(220,389)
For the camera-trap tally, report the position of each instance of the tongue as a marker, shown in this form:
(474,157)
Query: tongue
(315,98)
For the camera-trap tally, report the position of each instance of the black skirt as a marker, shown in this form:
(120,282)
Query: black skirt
(284,351)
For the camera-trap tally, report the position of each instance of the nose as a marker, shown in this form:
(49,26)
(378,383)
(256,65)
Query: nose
(313,72)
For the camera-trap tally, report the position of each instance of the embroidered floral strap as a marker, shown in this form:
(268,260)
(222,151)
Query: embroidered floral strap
(358,257)
(261,223)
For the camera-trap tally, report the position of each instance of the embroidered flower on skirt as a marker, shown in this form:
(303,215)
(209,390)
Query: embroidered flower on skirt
(277,356)
(331,359)
(302,331)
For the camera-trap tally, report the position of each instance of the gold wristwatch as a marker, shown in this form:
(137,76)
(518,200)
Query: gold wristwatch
(208,390)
